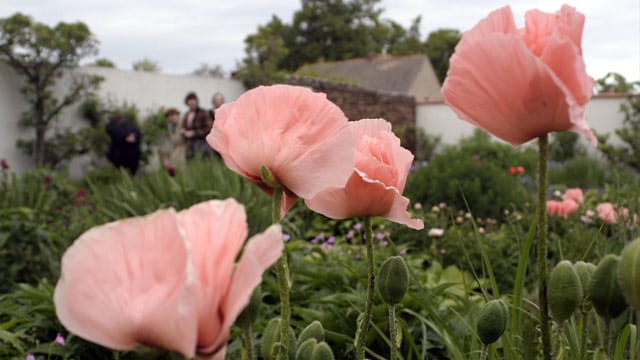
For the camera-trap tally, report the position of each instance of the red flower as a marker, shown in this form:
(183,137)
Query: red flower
(512,170)
(4,164)
(520,170)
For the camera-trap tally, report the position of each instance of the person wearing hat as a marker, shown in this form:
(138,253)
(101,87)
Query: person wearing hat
(196,125)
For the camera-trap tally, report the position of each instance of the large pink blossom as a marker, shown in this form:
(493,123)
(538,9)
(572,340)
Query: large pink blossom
(299,135)
(519,84)
(166,279)
(377,181)
(564,208)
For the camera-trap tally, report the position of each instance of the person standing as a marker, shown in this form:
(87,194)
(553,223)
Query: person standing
(173,148)
(196,125)
(216,101)
(124,149)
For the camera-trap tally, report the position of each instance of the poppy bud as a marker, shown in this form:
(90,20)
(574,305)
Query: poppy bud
(565,291)
(393,280)
(271,341)
(312,350)
(492,321)
(605,292)
(585,272)
(250,313)
(313,331)
(267,177)
(629,273)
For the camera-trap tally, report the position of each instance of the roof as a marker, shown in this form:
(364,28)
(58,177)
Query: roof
(384,72)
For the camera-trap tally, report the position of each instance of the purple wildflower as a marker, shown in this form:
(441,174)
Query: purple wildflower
(357,226)
(331,240)
(286,237)
(380,236)
(350,234)
(383,243)
(317,239)
(404,251)
(60,339)
(30,357)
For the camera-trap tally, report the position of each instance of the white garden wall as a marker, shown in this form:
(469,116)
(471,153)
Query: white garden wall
(148,91)
(603,114)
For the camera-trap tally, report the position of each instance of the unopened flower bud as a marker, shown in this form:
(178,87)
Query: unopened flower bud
(565,291)
(271,340)
(312,331)
(492,321)
(585,272)
(393,280)
(311,349)
(629,273)
(605,292)
(267,177)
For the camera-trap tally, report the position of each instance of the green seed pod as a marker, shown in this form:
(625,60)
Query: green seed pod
(267,177)
(314,350)
(393,280)
(271,340)
(585,272)
(565,291)
(492,321)
(629,273)
(604,291)
(313,331)
(250,313)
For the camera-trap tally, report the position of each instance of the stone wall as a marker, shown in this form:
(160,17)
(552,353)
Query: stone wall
(358,103)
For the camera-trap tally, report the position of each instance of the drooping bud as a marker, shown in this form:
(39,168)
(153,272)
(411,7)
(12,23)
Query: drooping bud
(250,313)
(311,349)
(313,331)
(585,273)
(492,321)
(565,291)
(267,177)
(629,273)
(393,280)
(605,292)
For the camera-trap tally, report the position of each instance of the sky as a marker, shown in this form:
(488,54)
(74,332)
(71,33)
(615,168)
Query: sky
(181,34)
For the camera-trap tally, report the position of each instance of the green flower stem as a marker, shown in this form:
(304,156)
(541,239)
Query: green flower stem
(584,319)
(282,273)
(485,352)
(393,332)
(543,247)
(247,338)
(363,322)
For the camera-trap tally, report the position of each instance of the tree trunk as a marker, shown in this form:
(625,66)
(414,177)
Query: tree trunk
(39,145)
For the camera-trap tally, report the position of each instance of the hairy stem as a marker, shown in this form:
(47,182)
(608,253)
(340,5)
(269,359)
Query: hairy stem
(393,332)
(247,338)
(543,247)
(282,274)
(363,322)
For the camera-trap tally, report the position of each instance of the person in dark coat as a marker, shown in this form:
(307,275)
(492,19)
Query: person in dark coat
(124,150)
(196,125)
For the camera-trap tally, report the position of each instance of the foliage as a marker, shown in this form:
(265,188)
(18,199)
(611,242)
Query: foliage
(206,70)
(264,51)
(440,45)
(333,30)
(421,144)
(616,83)
(628,152)
(564,146)
(146,65)
(42,55)
(475,172)
(104,62)
(583,172)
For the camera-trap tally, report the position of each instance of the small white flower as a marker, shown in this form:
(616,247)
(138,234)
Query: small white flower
(435,232)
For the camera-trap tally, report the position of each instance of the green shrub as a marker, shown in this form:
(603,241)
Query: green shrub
(583,171)
(475,172)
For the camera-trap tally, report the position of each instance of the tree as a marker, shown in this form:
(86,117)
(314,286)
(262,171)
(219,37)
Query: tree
(42,55)
(104,62)
(214,71)
(406,42)
(628,153)
(264,52)
(147,65)
(439,47)
(616,83)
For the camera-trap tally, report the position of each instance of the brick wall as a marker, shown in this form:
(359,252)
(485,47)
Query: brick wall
(358,103)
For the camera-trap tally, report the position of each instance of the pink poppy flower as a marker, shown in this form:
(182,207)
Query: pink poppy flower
(145,280)
(519,84)
(574,194)
(299,135)
(607,213)
(377,182)
(564,208)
